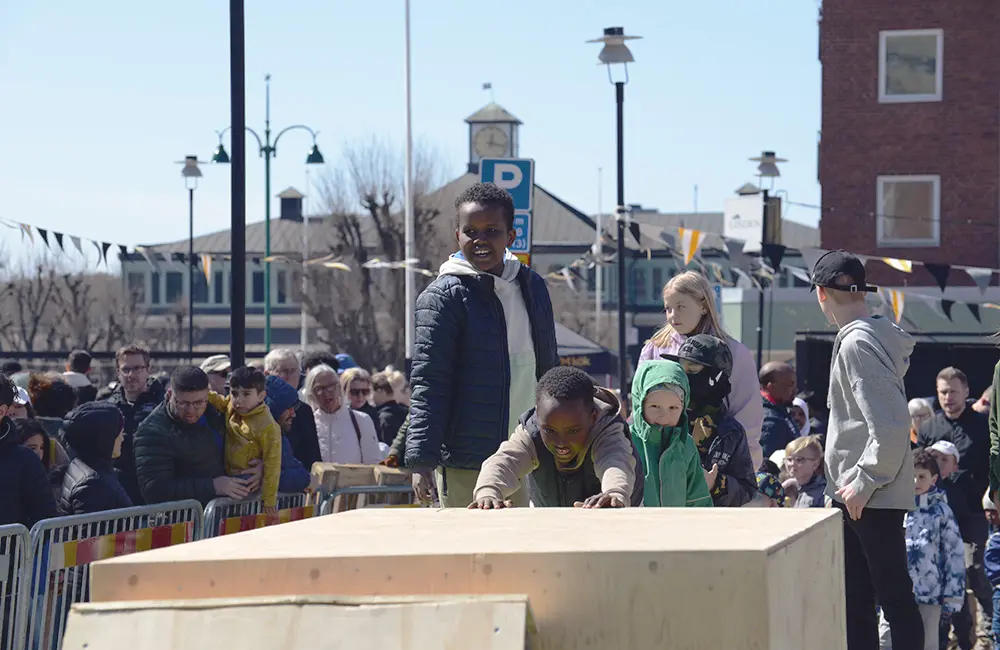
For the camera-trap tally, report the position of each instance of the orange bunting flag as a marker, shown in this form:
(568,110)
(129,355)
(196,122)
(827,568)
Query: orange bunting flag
(906,266)
(894,299)
(206,268)
(690,243)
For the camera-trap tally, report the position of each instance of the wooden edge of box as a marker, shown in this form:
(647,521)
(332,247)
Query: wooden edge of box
(832,514)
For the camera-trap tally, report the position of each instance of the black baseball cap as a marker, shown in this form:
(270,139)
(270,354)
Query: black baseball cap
(834,264)
(706,350)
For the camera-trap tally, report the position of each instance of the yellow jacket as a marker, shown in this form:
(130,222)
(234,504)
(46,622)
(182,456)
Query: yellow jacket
(249,437)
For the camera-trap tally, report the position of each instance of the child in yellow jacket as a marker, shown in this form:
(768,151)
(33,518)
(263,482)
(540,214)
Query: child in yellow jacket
(251,432)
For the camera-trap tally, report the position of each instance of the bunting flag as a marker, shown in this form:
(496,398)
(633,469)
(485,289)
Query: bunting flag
(690,243)
(981,277)
(940,273)
(734,248)
(810,256)
(146,253)
(104,251)
(26,230)
(78,243)
(744,281)
(894,299)
(98,247)
(44,234)
(122,251)
(59,240)
(206,268)
(801,274)
(974,308)
(946,306)
(906,266)
(339,266)
(565,273)
(774,254)
(936,305)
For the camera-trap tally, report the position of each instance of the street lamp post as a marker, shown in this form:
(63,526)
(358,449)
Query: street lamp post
(616,52)
(191,174)
(767,168)
(268,150)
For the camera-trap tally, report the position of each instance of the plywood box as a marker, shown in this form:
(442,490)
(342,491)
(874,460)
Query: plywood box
(305,623)
(637,578)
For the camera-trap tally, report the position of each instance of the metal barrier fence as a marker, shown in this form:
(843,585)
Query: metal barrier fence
(63,548)
(14,549)
(368,496)
(227,516)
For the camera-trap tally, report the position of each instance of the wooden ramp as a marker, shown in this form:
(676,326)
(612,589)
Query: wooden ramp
(300,623)
(636,578)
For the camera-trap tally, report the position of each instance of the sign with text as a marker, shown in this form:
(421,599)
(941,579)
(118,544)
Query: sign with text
(744,219)
(517,176)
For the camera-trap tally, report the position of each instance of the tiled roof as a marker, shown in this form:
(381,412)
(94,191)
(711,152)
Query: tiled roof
(286,237)
(492,112)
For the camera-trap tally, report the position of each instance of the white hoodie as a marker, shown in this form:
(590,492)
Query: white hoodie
(520,346)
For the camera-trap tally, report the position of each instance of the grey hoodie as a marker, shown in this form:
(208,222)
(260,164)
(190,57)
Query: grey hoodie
(868,442)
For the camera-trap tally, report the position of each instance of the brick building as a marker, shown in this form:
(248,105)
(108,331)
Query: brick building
(909,158)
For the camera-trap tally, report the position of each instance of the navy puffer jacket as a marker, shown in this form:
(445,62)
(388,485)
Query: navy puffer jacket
(91,483)
(461,367)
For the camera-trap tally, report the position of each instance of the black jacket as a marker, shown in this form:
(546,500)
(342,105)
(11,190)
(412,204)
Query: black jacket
(459,411)
(727,447)
(134,414)
(90,483)
(25,493)
(302,437)
(372,412)
(778,428)
(970,434)
(176,461)
(390,418)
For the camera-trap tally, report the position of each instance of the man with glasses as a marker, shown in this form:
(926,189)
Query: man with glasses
(179,447)
(136,395)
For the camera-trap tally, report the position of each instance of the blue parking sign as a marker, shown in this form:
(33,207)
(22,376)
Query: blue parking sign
(516,175)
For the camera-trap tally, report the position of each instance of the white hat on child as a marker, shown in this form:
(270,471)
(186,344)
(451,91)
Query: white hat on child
(945,447)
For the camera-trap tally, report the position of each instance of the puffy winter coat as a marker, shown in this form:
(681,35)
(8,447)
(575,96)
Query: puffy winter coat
(935,553)
(90,483)
(25,495)
(134,414)
(728,448)
(461,367)
(778,429)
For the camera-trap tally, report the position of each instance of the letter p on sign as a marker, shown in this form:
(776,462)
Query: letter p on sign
(507,176)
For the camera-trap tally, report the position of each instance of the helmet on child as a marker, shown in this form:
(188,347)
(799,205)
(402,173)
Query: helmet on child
(705,350)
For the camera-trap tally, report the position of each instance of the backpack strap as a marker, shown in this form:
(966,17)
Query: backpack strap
(354,421)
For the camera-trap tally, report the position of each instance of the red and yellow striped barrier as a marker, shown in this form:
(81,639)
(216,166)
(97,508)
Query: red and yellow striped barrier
(81,552)
(232,525)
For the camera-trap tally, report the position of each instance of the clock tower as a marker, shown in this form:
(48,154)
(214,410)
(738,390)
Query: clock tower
(492,134)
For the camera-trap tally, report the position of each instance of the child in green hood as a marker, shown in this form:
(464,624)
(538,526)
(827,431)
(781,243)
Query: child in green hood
(674,478)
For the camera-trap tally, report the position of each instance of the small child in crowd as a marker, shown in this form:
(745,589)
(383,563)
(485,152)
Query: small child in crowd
(251,432)
(934,552)
(573,447)
(673,474)
(770,493)
(720,438)
(804,465)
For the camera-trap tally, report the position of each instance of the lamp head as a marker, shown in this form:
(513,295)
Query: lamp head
(768,164)
(314,157)
(220,156)
(615,50)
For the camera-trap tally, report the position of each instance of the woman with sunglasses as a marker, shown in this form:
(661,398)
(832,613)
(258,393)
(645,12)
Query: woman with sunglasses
(344,435)
(357,385)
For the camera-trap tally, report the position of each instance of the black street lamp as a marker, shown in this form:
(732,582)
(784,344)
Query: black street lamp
(616,52)
(268,150)
(767,168)
(191,174)
(238,193)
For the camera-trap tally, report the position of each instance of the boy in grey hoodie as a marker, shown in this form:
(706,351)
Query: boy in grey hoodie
(868,464)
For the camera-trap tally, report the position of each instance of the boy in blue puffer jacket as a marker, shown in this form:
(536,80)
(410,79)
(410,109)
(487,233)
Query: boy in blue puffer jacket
(934,551)
(485,335)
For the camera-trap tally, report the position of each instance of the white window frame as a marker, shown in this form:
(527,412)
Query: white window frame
(938,94)
(882,242)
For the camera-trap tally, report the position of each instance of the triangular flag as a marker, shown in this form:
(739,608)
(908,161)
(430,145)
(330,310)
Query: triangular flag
(946,306)
(734,247)
(59,240)
(76,242)
(744,281)
(340,266)
(810,256)
(26,230)
(974,308)
(97,245)
(935,304)
(895,300)
(801,274)
(104,252)
(906,266)
(981,277)
(564,272)
(940,273)
(206,267)
(44,235)
(122,250)
(690,243)
(774,254)
(145,252)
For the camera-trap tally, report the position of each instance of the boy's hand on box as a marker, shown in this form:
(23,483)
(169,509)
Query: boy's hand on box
(606,500)
(423,484)
(489,503)
(390,461)
(711,476)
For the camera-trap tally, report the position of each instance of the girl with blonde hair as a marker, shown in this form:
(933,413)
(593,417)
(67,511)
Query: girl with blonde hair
(689,302)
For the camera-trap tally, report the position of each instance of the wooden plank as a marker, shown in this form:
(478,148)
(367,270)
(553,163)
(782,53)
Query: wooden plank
(328,623)
(633,578)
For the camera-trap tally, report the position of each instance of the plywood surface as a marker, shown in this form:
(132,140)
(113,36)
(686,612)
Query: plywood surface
(476,623)
(635,578)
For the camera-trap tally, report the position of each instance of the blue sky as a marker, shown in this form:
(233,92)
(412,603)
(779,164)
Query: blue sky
(99,99)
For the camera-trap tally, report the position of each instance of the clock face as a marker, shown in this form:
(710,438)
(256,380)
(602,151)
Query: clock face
(490,141)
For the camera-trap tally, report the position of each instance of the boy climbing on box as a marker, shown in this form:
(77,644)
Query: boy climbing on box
(573,447)
(251,432)
(673,474)
(720,438)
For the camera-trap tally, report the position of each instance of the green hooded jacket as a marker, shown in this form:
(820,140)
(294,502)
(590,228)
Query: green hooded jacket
(674,478)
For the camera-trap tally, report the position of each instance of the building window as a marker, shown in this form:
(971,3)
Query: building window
(218,287)
(910,66)
(175,287)
(909,210)
(639,288)
(282,289)
(200,292)
(154,284)
(257,295)
(137,287)
(657,283)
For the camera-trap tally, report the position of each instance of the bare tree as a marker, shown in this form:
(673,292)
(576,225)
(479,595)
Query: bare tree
(359,304)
